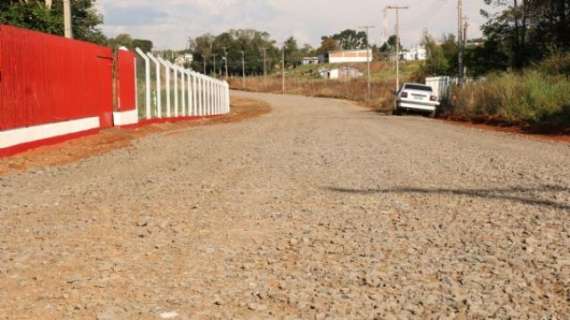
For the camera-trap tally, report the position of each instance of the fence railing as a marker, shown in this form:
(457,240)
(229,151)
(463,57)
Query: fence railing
(442,85)
(167,90)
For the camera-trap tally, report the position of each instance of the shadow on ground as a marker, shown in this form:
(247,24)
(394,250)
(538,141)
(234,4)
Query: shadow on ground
(509,194)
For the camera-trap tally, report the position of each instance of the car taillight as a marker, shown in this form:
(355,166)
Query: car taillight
(433,98)
(404,94)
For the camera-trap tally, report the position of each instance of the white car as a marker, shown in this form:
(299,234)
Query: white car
(416,97)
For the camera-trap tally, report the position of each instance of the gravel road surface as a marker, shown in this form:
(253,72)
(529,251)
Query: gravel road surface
(318,210)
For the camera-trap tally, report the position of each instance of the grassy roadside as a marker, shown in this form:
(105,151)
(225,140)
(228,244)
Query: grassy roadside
(305,80)
(536,99)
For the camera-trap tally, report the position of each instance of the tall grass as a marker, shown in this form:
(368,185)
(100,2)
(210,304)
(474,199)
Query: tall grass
(532,98)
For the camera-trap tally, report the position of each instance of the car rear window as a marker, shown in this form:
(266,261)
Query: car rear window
(418,87)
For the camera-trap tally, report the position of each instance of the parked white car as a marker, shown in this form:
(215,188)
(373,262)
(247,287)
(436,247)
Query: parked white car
(416,97)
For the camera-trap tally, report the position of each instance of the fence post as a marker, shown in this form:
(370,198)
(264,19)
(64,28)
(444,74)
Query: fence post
(147,82)
(212,96)
(167,73)
(158,87)
(220,99)
(188,93)
(201,94)
(215,96)
(194,97)
(176,104)
(208,101)
(227,97)
(183,75)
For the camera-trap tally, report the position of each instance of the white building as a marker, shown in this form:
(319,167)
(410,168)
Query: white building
(342,73)
(414,54)
(184,60)
(311,60)
(350,56)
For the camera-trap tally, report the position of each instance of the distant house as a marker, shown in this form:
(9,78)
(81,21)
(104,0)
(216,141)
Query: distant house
(311,60)
(414,54)
(184,59)
(341,73)
(350,56)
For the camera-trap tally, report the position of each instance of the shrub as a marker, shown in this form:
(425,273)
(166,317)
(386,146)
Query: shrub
(556,64)
(531,98)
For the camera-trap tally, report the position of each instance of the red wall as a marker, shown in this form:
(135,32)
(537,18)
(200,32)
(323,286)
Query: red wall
(126,62)
(45,79)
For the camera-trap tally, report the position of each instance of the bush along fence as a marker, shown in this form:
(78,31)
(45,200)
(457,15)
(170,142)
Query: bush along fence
(53,89)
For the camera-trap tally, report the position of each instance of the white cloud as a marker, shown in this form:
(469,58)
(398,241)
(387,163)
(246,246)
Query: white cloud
(169,23)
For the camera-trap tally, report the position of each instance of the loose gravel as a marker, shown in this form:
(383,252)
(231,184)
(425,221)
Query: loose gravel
(318,210)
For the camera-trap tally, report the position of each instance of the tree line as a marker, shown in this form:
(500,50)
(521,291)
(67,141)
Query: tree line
(47,16)
(519,34)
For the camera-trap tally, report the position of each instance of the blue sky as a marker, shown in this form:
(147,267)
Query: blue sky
(169,23)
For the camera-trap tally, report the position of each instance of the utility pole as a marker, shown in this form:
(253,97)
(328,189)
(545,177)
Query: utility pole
(460,40)
(214,65)
(465,28)
(67,19)
(283,69)
(368,58)
(226,60)
(264,65)
(397,9)
(243,69)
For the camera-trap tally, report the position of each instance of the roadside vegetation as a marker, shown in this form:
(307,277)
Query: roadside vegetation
(305,80)
(518,73)
(535,98)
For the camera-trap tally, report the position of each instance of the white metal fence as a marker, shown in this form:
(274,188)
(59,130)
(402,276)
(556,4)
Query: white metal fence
(442,85)
(170,91)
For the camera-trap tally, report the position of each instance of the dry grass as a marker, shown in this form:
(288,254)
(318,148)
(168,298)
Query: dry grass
(355,90)
(305,80)
(531,99)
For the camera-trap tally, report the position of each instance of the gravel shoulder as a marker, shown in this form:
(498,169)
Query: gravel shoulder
(318,210)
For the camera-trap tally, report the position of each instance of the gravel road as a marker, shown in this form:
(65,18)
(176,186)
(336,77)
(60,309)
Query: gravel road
(318,210)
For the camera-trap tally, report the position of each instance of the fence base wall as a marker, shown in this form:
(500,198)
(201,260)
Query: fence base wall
(21,139)
(125,118)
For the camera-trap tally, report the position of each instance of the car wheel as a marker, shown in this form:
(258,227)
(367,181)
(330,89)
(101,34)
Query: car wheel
(432,114)
(397,112)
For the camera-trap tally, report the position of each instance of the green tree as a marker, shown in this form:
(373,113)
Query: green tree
(35,15)
(437,63)
(144,45)
(351,39)
(122,40)
(232,43)
(526,31)
(328,44)
(390,44)
(293,55)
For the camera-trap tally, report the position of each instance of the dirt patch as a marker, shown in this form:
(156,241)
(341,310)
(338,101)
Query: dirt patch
(112,139)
